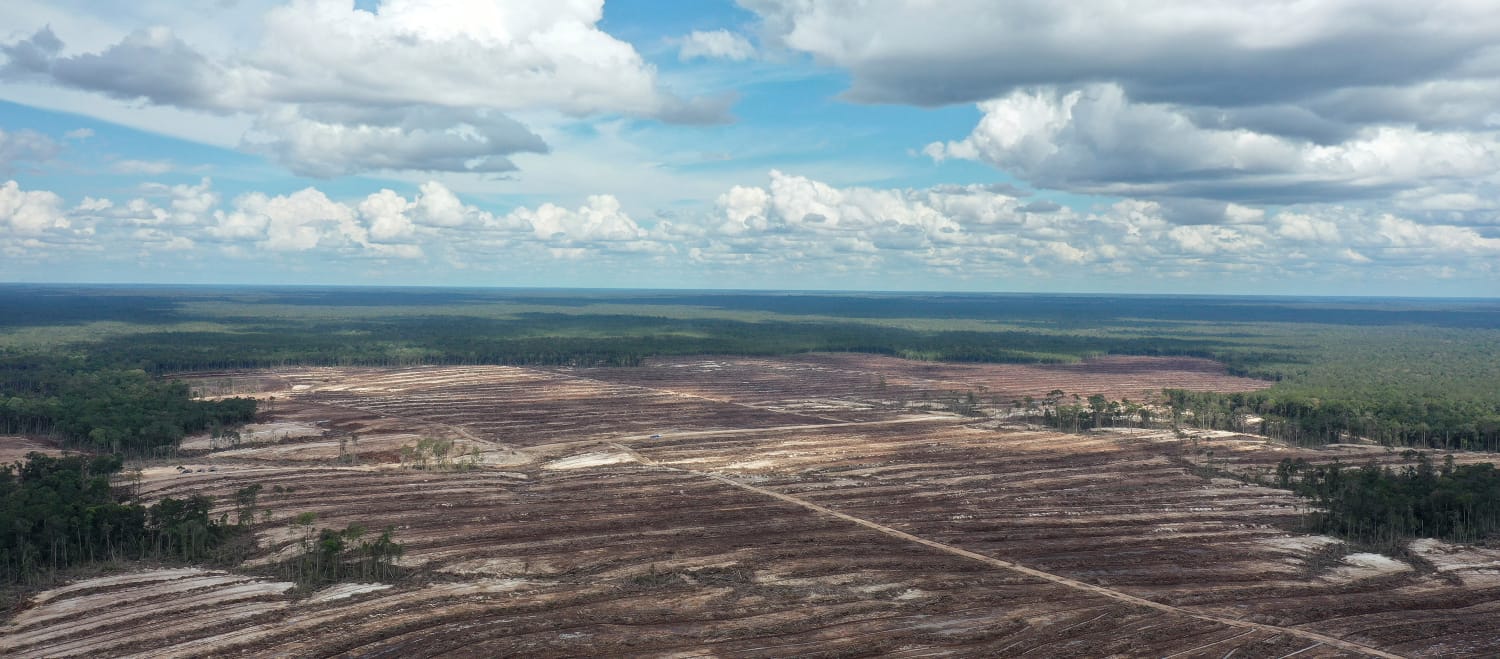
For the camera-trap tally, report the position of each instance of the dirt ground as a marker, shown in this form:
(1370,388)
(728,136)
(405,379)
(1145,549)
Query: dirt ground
(14,448)
(824,505)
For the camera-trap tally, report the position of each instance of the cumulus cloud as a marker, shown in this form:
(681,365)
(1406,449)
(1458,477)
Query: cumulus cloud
(718,44)
(788,224)
(30,212)
(413,85)
(801,218)
(973,231)
(1095,139)
(1199,52)
(151,64)
(1191,103)
(36,222)
(386,214)
(501,54)
(426,139)
(598,225)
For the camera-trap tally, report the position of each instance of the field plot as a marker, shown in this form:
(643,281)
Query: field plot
(766,508)
(13,448)
(854,386)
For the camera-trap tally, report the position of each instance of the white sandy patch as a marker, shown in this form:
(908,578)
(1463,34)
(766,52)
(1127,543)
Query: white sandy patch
(496,567)
(1366,566)
(345,590)
(14,448)
(749,465)
(685,461)
(84,633)
(1300,545)
(144,577)
(259,433)
(1476,566)
(585,460)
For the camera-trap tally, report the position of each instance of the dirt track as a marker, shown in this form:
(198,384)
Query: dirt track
(816,506)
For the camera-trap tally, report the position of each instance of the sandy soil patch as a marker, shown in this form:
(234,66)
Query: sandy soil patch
(1355,567)
(259,433)
(14,448)
(586,460)
(1476,566)
(345,591)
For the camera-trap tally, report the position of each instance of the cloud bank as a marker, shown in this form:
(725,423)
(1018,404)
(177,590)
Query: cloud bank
(791,224)
(414,85)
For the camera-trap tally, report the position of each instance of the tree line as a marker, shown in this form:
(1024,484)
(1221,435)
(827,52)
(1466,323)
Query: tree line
(61,512)
(1384,506)
(108,410)
(1323,416)
(58,512)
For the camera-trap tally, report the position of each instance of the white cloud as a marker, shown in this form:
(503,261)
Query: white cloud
(438,206)
(791,225)
(1220,52)
(299,221)
(598,221)
(1096,140)
(718,44)
(499,54)
(25,146)
(415,85)
(1307,229)
(355,141)
(1188,102)
(30,212)
(386,214)
(973,231)
(141,167)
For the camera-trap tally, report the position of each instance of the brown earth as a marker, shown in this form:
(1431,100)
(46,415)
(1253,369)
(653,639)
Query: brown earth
(816,506)
(15,447)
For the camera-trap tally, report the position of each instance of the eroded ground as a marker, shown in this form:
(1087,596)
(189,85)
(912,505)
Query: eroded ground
(816,506)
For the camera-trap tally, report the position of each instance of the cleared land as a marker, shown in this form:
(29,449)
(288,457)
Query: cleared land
(814,506)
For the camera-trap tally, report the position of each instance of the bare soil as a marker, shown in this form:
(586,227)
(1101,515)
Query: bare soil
(818,506)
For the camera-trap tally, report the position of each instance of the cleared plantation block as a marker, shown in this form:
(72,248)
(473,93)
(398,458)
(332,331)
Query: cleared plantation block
(14,448)
(822,505)
(851,386)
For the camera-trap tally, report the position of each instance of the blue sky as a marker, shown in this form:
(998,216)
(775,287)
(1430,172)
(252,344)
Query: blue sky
(888,144)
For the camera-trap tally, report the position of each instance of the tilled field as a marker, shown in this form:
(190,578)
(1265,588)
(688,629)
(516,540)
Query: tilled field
(851,385)
(759,507)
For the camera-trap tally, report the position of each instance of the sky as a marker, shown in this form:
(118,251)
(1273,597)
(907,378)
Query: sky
(1321,147)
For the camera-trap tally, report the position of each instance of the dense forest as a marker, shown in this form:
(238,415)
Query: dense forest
(1393,418)
(58,512)
(61,512)
(106,409)
(1381,506)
